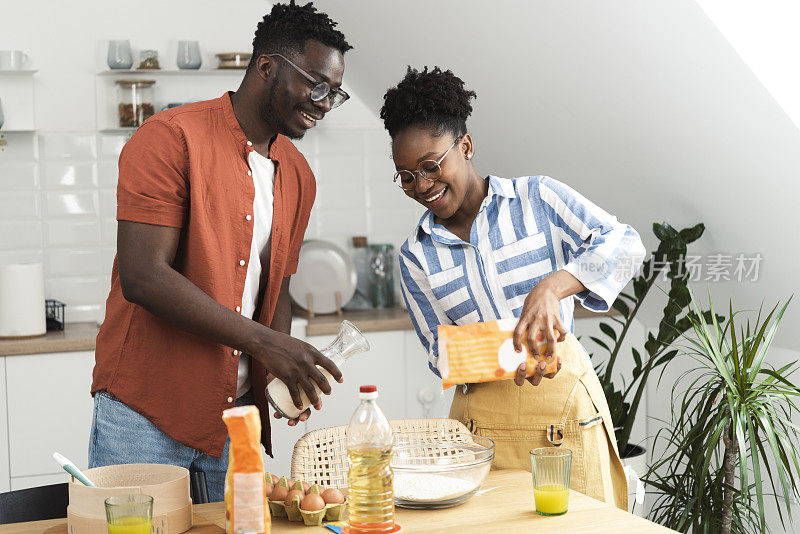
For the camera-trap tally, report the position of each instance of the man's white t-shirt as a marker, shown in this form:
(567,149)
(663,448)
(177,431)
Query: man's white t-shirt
(263,170)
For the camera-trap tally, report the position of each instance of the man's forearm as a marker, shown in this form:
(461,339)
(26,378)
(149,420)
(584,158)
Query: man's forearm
(282,318)
(169,295)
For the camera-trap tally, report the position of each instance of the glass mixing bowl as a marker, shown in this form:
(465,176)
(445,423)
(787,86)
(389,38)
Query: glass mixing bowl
(439,471)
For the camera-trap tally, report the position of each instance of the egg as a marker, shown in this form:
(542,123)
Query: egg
(305,487)
(278,493)
(333,496)
(312,503)
(268,488)
(291,495)
(275,480)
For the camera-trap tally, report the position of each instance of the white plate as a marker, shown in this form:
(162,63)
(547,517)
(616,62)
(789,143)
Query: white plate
(323,270)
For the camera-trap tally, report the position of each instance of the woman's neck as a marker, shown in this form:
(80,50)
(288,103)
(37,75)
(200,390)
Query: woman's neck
(461,221)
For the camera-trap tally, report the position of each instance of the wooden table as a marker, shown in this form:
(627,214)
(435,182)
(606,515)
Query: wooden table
(504,504)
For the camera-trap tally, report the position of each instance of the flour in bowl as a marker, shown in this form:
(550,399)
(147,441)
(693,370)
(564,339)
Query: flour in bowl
(430,488)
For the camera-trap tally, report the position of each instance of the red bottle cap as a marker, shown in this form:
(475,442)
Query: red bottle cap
(367,389)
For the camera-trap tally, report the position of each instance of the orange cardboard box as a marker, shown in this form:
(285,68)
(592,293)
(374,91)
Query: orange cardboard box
(246,505)
(484,352)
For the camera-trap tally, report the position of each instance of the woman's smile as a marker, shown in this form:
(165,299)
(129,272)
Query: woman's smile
(434,200)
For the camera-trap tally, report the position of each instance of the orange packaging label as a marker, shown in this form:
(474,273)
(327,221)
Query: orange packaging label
(484,352)
(246,505)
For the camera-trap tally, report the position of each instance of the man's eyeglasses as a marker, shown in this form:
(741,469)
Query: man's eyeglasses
(319,89)
(428,169)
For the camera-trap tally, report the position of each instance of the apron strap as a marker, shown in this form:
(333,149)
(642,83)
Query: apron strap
(555,435)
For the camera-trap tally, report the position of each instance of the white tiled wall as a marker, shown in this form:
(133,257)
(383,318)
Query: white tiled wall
(58,203)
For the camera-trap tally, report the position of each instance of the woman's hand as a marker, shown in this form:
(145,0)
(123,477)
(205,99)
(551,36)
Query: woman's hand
(540,321)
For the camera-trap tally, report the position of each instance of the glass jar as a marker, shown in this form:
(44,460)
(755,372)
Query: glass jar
(360,253)
(381,275)
(135,102)
(148,59)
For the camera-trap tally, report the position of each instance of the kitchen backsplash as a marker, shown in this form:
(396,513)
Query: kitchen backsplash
(58,203)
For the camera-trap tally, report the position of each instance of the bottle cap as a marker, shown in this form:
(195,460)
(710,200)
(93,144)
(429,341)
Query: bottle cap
(367,389)
(359,241)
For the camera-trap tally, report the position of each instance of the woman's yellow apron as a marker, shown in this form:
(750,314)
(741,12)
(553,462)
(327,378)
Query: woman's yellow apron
(568,411)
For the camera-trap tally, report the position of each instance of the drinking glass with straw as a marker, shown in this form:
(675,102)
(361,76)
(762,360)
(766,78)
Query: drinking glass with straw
(129,514)
(550,468)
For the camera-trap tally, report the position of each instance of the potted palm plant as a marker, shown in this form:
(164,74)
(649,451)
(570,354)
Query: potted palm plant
(732,440)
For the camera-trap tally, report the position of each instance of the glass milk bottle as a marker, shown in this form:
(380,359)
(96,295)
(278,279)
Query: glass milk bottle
(349,341)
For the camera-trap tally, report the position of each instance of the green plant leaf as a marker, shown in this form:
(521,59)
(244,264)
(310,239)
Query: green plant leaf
(600,342)
(690,235)
(607,330)
(637,358)
(623,308)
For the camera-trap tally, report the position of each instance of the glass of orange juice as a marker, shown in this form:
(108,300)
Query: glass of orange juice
(551,468)
(129,514)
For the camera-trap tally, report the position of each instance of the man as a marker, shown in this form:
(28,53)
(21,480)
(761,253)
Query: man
(213,202)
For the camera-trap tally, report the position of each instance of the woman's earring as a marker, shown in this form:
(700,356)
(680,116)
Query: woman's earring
(469,156)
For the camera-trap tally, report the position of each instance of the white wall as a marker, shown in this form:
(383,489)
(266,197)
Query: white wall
(57,186)
(643,106)
(764,34)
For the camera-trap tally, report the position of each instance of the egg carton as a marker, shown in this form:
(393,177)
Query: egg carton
(293,512)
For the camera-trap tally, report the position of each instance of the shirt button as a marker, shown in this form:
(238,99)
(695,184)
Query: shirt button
(248,217)
(241,262)
(249,143)
(236,353)
(230,399)
(238,308)
(249,173)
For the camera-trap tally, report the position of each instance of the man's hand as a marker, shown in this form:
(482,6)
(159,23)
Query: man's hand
(292,422)
(295,362)
(299,419)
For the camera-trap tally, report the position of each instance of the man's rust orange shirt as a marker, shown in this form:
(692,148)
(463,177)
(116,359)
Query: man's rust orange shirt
(188,168)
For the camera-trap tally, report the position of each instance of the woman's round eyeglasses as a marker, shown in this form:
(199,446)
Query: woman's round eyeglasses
(428,169)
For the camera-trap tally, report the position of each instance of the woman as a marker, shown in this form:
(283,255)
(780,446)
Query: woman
(489,248)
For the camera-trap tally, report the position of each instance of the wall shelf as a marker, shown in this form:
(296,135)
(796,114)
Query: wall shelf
(23,72)
(172,86)
(172,72)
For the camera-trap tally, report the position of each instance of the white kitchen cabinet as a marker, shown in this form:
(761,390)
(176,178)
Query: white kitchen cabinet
(4,474)
(18,483)
(424,394)
(383,366)
(49,409)
(283,439)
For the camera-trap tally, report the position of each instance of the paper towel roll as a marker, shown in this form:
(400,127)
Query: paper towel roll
(22,310)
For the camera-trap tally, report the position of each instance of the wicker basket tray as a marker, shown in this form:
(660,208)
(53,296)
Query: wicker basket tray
(321,455)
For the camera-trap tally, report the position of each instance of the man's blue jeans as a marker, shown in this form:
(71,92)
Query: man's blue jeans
(120,435)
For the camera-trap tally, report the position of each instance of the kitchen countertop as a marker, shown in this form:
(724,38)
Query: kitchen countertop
(505,504)
(81,336)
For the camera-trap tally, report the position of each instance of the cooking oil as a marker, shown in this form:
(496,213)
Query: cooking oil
(370,490)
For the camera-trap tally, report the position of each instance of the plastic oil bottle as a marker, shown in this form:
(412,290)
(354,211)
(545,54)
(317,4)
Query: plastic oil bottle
(369,449)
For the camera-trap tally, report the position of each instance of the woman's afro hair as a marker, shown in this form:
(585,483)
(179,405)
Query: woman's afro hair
(435,98)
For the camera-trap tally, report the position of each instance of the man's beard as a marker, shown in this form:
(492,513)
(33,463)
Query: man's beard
(270,115)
